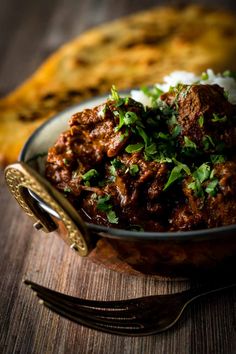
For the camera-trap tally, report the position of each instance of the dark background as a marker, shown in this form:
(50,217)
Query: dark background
(32,29)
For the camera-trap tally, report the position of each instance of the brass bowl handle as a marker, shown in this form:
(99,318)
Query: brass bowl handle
(21,178)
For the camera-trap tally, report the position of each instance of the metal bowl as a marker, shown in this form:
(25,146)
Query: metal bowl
(189,253)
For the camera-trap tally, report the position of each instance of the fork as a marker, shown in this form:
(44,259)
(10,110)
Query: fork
(134,317)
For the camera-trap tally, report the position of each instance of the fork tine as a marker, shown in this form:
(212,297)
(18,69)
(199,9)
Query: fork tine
(120,305)
(108,315)
(122,317)
(113,328)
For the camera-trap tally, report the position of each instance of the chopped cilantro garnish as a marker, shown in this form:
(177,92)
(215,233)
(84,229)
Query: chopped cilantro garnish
(207,142)
(130,118)
(189,143)
(133,169)
(163,136)
(104,205)
(201,121)
(217,158)
(177,173)
(90,174)
(176,131)
(134,147)
(204,76)
(112,218)
(143,135)
(202,173)
(197,188)
(182,165)
(217,118)
(115,164)
(114,93)
(124,135)
(67,189)
(212,187)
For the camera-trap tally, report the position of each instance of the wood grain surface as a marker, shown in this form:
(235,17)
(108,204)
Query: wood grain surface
(29,31)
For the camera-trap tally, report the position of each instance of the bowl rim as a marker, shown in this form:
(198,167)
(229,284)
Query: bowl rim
(112,232)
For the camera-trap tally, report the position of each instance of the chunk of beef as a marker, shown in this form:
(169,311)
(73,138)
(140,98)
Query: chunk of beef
(203,111)
(219,209)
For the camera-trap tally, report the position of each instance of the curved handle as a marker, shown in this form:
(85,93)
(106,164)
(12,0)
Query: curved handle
(21,178)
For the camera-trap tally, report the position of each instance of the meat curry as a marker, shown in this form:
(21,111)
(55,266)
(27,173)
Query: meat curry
(165,168)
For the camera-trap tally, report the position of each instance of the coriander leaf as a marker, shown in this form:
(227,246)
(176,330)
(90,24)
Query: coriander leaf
(151,149)
(124,135)
(117,163)
(130,118)
(102,203)
(175,174)
(120,114)
(212,187)
(163,159)
(114,94)
(134,147)
(201,121)
(217,118)
(90,174)
(207,141)
(212,174)
(189,143)
(116,97)
(112,218)
(133,169)
(112,170)
(202,173)
(163,136)
(172,120)
(143,135)
(217,158)
(176,131)
(197,188)
(182,165)
(67,189)
(204,76)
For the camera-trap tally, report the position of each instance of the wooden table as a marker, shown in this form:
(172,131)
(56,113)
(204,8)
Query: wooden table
(29,31)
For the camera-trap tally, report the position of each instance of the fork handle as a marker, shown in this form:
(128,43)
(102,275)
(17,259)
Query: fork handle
(211,287)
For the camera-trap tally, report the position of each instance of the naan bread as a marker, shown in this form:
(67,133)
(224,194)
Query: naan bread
(133,51)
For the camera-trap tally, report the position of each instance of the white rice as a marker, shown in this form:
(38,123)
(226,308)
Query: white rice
(188,78)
